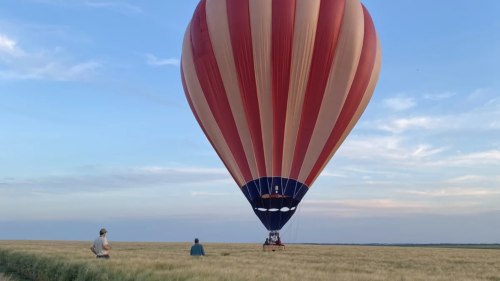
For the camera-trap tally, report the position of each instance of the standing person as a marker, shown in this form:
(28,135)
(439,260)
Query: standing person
(274,238)
(100,245)
(279,243)
(197,248)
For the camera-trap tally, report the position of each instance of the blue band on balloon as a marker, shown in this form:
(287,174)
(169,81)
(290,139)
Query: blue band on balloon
(274,199)
(275,185)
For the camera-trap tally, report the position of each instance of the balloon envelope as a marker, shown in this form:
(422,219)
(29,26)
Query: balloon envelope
(276,86)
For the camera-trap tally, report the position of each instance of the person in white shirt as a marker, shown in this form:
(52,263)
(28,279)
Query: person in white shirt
(100,245)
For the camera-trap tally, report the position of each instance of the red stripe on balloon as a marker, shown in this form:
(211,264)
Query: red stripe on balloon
(327,34)
(190,102)
(211,83)
(282,42)
(356,93)
(238,12)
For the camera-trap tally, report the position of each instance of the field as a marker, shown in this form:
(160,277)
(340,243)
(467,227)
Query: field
(53,260)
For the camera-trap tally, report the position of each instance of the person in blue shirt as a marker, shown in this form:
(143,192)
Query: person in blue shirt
(197,248)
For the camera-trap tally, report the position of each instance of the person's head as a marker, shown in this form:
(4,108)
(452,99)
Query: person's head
(196,241)
(267,239)
(103,232)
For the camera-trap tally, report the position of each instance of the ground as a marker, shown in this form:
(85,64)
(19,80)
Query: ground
(57,260)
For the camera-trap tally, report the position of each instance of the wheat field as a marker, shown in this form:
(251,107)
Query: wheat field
(58,261)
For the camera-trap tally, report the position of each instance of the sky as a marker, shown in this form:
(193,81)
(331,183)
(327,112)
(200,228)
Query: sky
(95,131)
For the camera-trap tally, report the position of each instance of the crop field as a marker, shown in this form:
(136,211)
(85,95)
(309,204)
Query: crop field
(58,261)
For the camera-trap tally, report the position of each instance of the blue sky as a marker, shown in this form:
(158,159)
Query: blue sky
(95,131)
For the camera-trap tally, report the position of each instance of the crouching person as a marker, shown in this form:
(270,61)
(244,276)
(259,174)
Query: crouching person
(100,245)
(197,248)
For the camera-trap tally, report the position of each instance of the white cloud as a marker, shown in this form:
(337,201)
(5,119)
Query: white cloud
(370,203)
(484,117)
(384,172)
(478,93)
(387,150)
(400,103)
(403,124)
(439,96)
(154,61)
(402,152)
(52,2)
(53,71)
(108,179)
(44,64)
(201,193)
(119,6)
(434,184)
(453,192)
(163,170)
(483,158)
(389,207)
(329,174)
(466,178)
(6,44)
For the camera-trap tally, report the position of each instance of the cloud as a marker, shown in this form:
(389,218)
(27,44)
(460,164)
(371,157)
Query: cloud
(43,64)
(478,93)
(484,117)
(6,44)
(53,32)
(400,103)
(370,204)
(403,153)
(329,174)
(384,172)
(482,158)
(154,61)
(115,179)
(452,192)
(118,6)
(388,207)
(403,124)
(439,96)
(53,71)
(52,2)
(387,150)
(466,178)
(198,193)
(471,179)
(162,170)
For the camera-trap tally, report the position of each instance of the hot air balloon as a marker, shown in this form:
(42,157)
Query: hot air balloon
(276,86)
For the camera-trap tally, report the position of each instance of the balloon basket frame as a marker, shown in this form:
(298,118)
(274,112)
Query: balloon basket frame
(273,248)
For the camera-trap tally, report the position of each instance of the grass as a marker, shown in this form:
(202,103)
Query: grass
(7,274)
(58,261)
(491,247)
